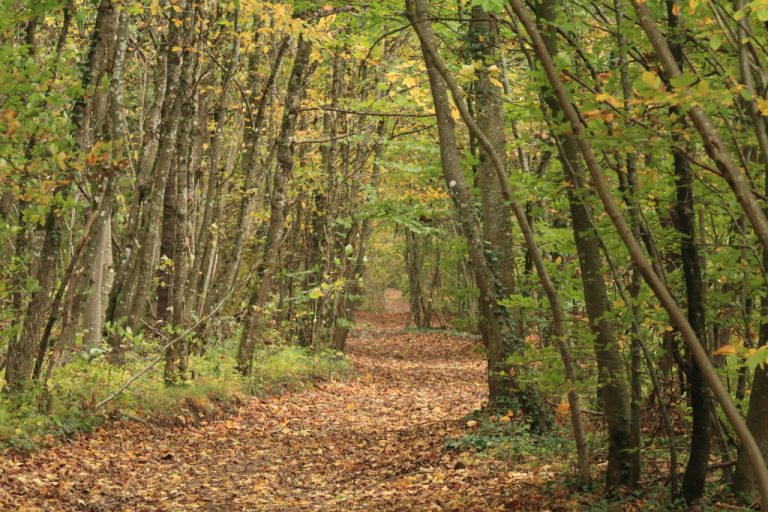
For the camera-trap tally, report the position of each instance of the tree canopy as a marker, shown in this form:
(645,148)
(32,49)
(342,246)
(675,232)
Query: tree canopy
(189,188)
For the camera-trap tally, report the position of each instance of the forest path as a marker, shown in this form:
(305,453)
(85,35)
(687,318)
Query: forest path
(373,443)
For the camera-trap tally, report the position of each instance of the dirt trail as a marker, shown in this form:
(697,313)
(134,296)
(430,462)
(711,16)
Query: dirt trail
(374,443)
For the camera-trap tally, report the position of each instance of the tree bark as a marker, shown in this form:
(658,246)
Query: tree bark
(744,480)
(716,148)
(255,315)
(685,222)
(612,388)
(677,316)
(129,296)
(494,319)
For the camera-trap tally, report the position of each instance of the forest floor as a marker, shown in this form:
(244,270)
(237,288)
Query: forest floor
(371,443)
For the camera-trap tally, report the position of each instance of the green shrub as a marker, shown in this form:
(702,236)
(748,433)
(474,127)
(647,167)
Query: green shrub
(292,368)
(503,438)
(213,388)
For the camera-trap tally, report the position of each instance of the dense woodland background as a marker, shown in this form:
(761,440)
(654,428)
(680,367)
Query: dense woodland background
(197,196)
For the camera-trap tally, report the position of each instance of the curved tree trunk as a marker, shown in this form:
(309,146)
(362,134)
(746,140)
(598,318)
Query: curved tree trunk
(494,319)
(612,387)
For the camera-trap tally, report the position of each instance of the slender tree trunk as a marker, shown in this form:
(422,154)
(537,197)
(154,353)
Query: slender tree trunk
(414,262)
(255,315)
(206,248)
(696,470)
(253,127)
(677,316)
(496,212)
(23,347)
(167,250)
(129,302)
(612,388)
(744,479)
(716,148)
(494,319)
(353,284)
(685,222)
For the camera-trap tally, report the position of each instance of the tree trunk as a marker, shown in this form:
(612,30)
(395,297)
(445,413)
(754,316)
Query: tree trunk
(494,319)
(744,480)
(612,388)
(489,111)
(23,347)
(255,315)
(677,316)
(685,222)
(353,288)
(128,299)
(253,171)
(414,262)
(206,248)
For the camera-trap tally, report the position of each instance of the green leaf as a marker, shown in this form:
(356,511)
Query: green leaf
(683,81)
(758,358)
(651,79)
(490,5)
(746,94)
(715,42)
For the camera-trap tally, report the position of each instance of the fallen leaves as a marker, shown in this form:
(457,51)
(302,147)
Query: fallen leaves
(374,443)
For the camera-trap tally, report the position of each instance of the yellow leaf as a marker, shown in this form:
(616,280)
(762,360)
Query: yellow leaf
(651,79)
(727,350)
(762,106)
(693,5)
(467,72)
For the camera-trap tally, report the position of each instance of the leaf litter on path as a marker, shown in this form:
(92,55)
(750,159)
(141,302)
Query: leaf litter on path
(372,443)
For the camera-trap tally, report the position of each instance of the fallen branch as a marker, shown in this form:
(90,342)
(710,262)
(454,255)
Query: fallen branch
(159,358)
(388,479)
(137,419)
(721,465)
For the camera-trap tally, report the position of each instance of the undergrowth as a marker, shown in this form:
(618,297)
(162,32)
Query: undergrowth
(500,436)
(548,462)
(32,419)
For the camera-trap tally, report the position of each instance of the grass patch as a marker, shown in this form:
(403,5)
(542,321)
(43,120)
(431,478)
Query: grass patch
(295,368)
(33,418)
(502,437)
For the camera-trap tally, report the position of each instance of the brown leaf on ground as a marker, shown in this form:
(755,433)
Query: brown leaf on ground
(374,443)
